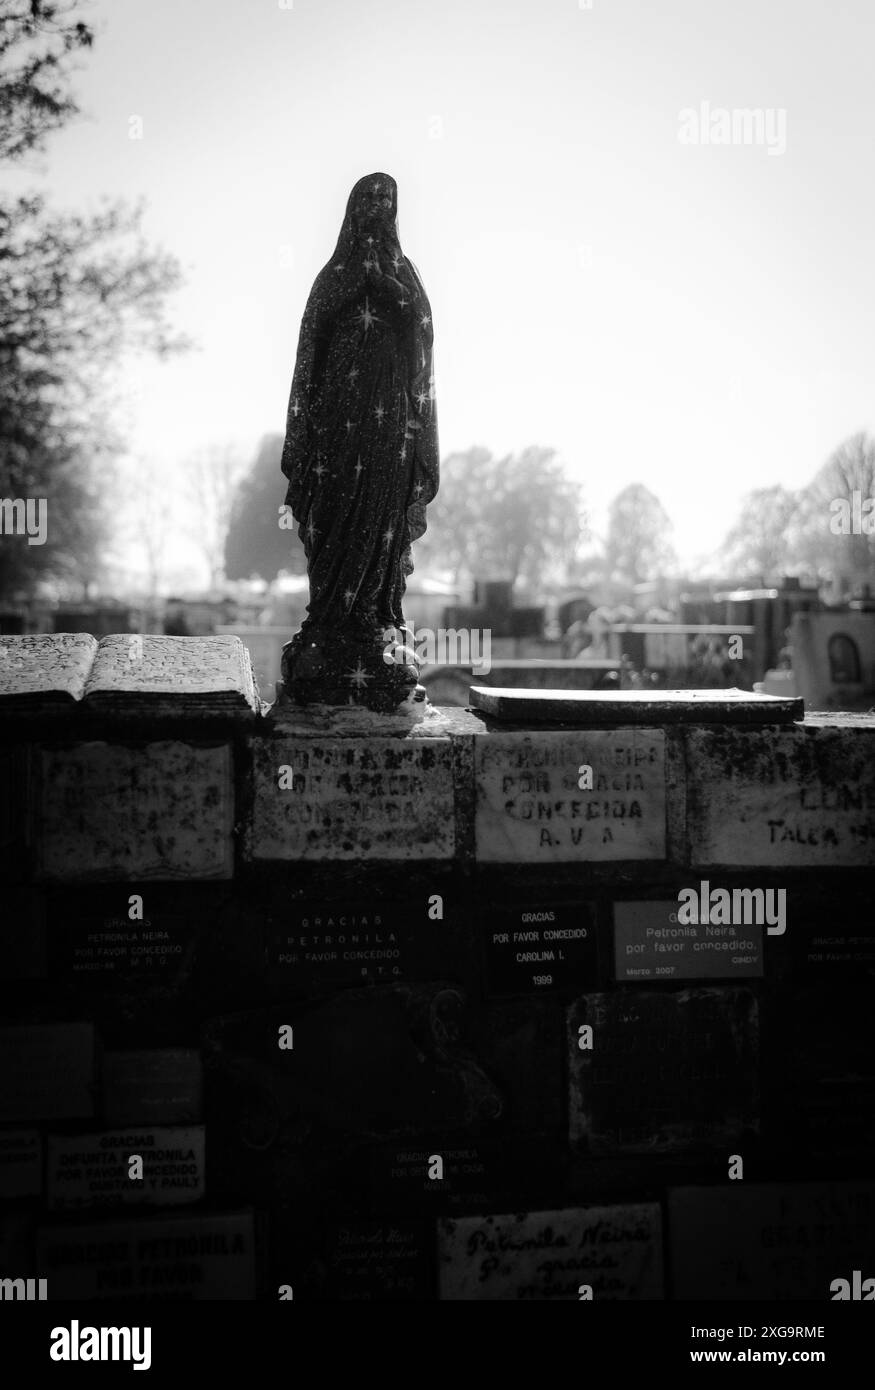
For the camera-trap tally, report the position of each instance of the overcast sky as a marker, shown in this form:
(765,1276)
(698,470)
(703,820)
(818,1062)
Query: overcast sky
(696,317)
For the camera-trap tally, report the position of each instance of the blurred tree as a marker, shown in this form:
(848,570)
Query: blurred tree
(76,292)
(456,516)
(761,541)
(37,41)
(256,543)
(637,546)
(834,537)
(517,517)
(213,476)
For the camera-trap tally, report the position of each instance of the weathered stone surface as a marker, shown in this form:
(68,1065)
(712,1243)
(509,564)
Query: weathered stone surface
(198,1257)
(665,1073)
(128,673)
(352,799)
(171,675)
(548,1255)
(44,669)
(769,1241)
(597,708)
(113,811)
(47,1071)
(93,1170)
(801,797)
(530,807)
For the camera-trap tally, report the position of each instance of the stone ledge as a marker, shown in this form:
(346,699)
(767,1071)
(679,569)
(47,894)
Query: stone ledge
(798,796)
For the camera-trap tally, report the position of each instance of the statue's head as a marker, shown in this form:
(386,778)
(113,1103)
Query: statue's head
(373,202)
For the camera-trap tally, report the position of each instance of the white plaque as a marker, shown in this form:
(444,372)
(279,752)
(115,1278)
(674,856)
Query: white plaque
(616,1251)
(558,797)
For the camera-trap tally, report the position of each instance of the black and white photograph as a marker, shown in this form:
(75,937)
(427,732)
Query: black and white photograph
(437,672)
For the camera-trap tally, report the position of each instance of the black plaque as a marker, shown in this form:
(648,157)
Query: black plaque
(371,1261)
(666,1072)
(539,947)
(475,1174)
(155,1086)
(111,949)
(315,943)
(849,948)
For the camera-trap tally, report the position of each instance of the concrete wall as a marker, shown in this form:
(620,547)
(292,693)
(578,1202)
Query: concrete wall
(290,968)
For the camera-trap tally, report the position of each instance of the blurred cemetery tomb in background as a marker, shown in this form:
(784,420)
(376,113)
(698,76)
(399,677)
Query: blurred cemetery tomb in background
(833,660)
(668,635)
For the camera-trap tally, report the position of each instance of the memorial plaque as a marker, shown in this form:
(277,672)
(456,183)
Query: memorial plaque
(21,1163)
(851,950)
(93,1170)
(471,1169)
(802,797)
(47,1071)
(544,1255)
(531,809)
(379,1260)
(539,947)
(172,1257)
(474,1175)
(770,1241)
(348,943)
(650,945)
(114,950)
(820,945)
(161,810)
(374,798)
(159,1086)
(666,1072)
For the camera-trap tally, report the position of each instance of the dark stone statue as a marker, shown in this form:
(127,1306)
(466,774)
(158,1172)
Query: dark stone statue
(361,457)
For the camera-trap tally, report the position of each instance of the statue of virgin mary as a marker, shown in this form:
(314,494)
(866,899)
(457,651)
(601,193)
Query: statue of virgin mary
(361,458)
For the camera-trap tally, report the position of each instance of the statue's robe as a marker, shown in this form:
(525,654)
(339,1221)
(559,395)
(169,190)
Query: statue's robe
(361,446)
